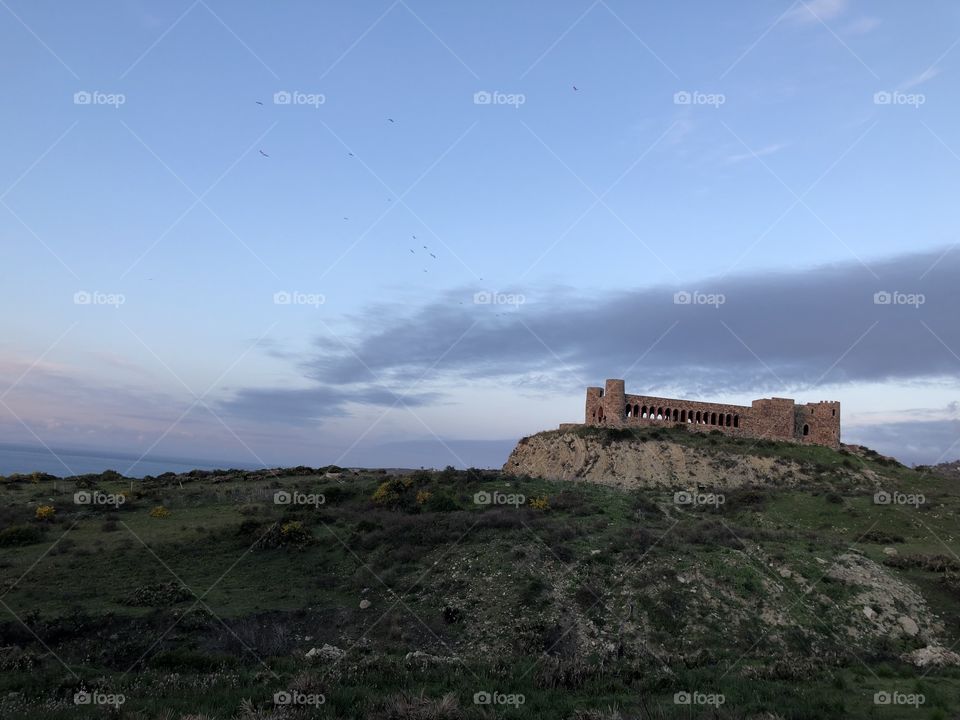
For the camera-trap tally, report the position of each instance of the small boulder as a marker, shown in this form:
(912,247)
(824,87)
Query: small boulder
(364,604)
(908,625)
(325,654)
(869,612)
(931,655)
(890,551)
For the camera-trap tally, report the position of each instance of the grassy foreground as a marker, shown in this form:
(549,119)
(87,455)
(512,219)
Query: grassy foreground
(427,594)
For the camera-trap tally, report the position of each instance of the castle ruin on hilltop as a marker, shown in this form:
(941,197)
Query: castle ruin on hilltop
(769,418)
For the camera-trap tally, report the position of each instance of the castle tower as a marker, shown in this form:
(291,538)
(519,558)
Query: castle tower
(614,399)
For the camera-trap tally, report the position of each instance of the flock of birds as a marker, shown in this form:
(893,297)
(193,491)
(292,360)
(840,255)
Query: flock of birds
(350,154)
(347,219)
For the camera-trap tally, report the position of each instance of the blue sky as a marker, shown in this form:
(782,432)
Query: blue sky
(631,150)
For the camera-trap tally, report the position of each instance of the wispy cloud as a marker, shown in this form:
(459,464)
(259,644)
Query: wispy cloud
(928,74)
(862,26)
(808,12)
(771,149)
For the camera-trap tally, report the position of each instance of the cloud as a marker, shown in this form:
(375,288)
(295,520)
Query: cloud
(808,12)
(928,74)
(863,26)
(296,405)
(774,332)
(911,443)
(762,152)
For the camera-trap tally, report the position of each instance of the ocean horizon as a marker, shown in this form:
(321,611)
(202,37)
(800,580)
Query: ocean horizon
(15,458)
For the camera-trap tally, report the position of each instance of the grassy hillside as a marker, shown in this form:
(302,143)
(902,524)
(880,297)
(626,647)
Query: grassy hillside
(201,595)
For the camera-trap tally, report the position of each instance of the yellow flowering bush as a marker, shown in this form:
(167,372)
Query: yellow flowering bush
(45,512)
(159,512)
(540,503)
(423,496)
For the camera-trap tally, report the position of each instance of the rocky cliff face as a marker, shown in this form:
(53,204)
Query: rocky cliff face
(652,460)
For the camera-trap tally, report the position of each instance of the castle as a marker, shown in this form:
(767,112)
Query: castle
(769,418)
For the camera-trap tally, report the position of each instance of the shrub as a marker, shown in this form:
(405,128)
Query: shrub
(45,513)
(441,502)
(18,535)
(423,496)
(159,512)
(540,503)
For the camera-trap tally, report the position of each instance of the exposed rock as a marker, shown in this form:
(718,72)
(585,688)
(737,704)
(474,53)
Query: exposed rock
(934,655)
(418,658)
(909,625)
(869,612)
(327,653)
(364,604)
(890,551)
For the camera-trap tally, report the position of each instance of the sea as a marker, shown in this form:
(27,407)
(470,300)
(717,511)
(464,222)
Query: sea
(63,462)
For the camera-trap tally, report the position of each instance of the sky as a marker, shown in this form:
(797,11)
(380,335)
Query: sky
(410,232)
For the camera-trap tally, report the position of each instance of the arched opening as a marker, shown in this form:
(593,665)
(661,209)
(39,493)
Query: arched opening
(600,414)
(729,419)
(713,418)
(833,413)
(628,411)
(643,412)
(736,421)
(659,413)
(666,414)
(806,429)
(683,416)
(676,415)
(698,418)
(636,411)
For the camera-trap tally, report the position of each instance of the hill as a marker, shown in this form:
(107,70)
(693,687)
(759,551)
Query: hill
(470,594)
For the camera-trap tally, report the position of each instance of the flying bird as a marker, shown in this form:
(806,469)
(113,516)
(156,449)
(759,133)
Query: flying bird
(264,154)
(576,89)
(258,102)
(433,256)
(390,119)
(350,154)
(411,250)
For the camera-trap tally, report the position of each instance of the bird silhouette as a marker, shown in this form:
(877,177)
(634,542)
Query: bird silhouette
(433,256)
(411,250)
(264,154)
(390,119)
(350,154)
(258,102)
(576,89)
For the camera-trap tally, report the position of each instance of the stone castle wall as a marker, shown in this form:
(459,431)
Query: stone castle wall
(769,418)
